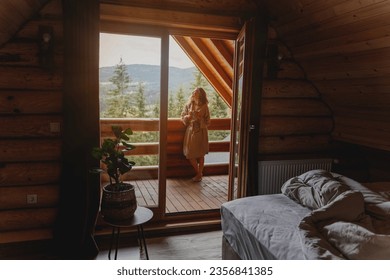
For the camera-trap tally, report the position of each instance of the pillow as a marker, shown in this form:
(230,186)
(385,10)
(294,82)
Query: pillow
(369,195)
(314,188)
(376,205)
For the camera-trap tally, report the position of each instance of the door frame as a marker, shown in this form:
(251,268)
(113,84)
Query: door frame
(255,34)
(251,84)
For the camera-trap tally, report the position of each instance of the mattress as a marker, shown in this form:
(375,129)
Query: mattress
(264,227)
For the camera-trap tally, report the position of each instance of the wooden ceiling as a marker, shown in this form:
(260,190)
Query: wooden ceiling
(214,58)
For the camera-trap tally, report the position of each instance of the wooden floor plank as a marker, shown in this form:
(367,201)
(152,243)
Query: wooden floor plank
(194,246)
(183,194)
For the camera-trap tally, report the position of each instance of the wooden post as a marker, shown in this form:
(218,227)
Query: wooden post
(80,191)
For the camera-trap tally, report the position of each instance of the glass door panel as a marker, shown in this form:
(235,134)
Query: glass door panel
(130,97)
(182,194)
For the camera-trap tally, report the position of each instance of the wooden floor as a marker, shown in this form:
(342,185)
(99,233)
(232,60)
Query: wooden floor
(183,194)
(195,246)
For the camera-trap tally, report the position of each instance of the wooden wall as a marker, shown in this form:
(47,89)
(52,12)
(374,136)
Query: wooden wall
(344,47)
(295,121)
(30,129)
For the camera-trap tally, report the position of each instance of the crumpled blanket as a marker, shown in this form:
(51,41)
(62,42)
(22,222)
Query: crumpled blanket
(339,227)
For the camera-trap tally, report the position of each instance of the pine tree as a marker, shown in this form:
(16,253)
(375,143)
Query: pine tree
(180,102)
(171,106)
(140,101)
(218,107)
(156,110)
(200,80)
(118,98)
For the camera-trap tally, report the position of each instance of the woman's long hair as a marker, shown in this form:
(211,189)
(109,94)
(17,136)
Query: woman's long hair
(202,97)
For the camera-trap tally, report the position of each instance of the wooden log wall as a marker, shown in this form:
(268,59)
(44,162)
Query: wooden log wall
(295,121)
(31,129)
(344,48)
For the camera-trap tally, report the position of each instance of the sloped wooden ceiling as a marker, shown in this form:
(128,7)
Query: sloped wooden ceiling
(344,48)
(14,13)
(214,58)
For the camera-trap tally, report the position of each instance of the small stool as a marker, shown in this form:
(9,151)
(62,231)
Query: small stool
(141,216)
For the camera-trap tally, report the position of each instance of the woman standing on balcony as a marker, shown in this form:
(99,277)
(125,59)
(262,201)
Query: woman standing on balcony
(196,117)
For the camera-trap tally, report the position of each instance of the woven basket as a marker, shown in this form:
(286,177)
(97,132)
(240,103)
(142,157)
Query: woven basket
(118,205)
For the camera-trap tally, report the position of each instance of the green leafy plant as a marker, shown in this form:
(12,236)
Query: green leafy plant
(111,154)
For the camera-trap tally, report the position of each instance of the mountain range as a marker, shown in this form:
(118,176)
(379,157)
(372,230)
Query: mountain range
(150,76)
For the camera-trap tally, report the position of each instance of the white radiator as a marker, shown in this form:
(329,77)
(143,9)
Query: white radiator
(273,174)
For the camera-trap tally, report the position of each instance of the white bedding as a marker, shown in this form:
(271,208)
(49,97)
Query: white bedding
(264,227)
(341,226)
(321,219)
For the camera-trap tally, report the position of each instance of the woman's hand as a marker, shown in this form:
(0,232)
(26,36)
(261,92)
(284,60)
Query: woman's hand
(187,118)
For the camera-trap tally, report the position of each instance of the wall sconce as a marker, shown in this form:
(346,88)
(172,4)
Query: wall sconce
(46,47)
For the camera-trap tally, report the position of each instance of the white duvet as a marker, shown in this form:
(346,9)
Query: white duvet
(344,221)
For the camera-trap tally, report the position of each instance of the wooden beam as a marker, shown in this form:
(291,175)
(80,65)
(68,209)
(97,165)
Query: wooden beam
(226,50)
(225,78)
(230,7)
(200,61)
(169,18)
(81,131)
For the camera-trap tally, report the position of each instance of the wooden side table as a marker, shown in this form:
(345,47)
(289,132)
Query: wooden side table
(141,216)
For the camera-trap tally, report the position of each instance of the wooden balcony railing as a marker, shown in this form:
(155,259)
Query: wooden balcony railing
(177,165)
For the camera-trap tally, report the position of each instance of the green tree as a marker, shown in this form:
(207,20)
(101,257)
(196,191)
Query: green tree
(140,102)
(171,106)
(180,102)
(218,107)
(156,110)
(118,98)
(200,81)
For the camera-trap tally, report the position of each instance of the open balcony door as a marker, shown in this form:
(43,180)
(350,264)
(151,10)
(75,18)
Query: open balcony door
(247,87)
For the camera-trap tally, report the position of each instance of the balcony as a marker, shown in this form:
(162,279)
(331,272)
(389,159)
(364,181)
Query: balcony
(182,195)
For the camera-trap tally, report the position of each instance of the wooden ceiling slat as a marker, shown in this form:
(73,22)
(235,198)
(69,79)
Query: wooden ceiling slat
(314,29)
(317,35)
(232,7)
(226,50)
(169,18)
(199,60)
(351,42)
(378,58)
(203,61)
(205,46)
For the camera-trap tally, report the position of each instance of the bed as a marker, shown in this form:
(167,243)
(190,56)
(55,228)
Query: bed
(317,215)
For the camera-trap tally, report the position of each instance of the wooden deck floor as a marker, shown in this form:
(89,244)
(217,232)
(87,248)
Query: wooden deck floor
(184,195)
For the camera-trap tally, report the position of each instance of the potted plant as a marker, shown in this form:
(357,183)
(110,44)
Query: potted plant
(118,198)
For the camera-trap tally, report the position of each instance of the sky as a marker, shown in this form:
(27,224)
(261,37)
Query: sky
(113,46)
